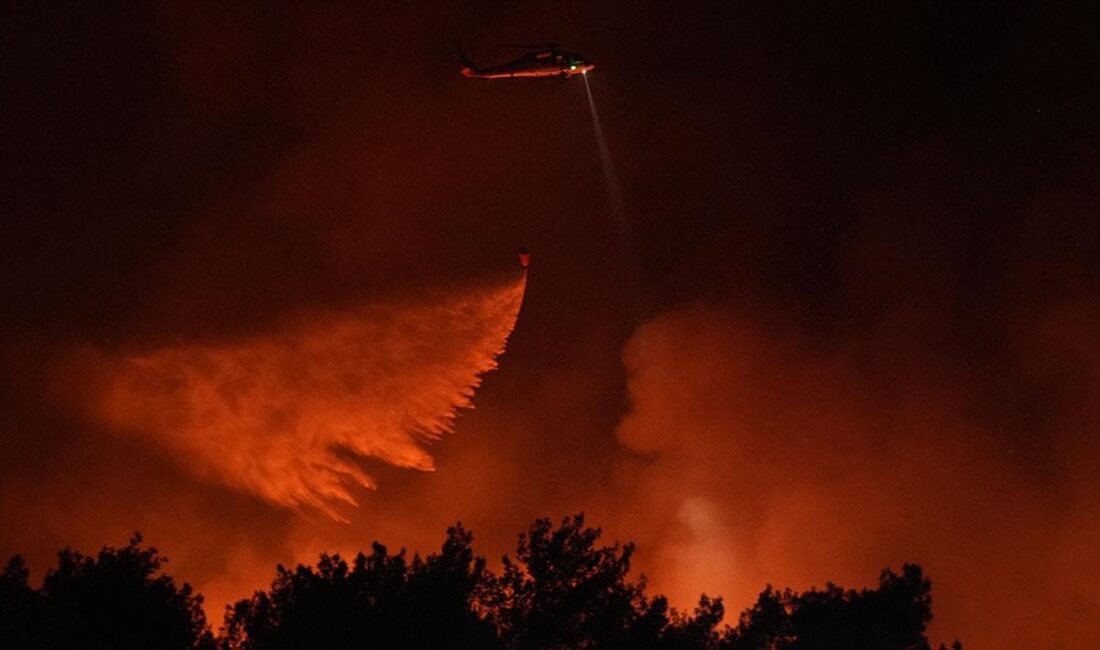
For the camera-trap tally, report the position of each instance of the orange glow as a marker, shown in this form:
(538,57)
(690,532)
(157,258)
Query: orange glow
(287,414)
(764,458)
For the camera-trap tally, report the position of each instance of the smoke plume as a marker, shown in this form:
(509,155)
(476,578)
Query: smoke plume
(762,456)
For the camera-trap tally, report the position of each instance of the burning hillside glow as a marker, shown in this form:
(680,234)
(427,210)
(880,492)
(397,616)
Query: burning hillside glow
(767,458)
(287,414)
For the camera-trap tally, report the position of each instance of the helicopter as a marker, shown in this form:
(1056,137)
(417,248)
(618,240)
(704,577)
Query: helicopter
(546,60)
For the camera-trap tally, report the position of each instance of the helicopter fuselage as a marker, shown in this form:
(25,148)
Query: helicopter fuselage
(536,64)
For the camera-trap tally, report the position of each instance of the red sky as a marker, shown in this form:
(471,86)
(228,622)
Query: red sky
(258,261)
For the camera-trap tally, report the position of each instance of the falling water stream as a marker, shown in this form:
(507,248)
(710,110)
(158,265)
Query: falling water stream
(614,191)
(627,236)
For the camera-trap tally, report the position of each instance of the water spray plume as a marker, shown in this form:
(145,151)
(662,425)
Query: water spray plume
(288,414)
(614,191)
(627,237)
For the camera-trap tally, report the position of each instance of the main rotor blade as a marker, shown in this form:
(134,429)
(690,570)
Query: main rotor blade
(528,46)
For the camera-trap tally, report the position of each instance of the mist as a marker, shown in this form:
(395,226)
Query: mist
(286,415)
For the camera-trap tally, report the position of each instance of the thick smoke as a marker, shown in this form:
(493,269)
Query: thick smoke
(289,414)
(764,457)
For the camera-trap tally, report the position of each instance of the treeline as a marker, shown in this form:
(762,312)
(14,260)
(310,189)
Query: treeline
(562,589)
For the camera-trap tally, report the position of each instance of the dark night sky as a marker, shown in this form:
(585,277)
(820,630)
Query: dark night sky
(863,308)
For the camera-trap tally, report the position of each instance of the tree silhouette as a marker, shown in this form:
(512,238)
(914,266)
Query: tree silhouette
(18,602)
(893,616)
(564,591)
(381,601)
(113,600)
(698,631)
(561,589)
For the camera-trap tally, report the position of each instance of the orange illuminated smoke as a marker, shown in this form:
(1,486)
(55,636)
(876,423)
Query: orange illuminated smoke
(288,413)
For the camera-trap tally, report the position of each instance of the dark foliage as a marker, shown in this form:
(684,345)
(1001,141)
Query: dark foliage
(380,601)
(113,600)
(18,603)
(562,589)
(893,616)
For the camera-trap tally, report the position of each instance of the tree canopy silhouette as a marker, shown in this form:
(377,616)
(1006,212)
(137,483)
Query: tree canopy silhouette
(893,616)
(381,600)
(18,603)
(565,591)
(561,589)
(112,600)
